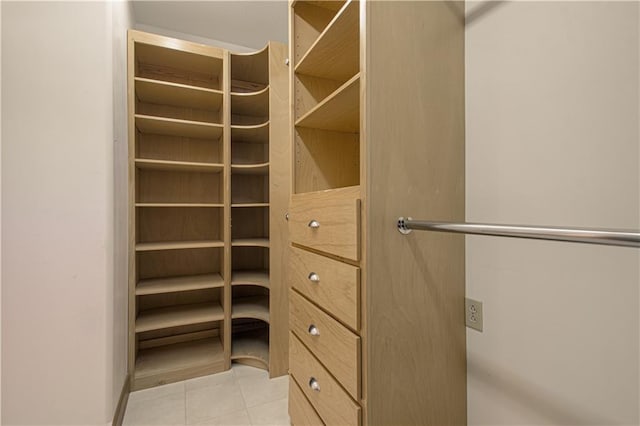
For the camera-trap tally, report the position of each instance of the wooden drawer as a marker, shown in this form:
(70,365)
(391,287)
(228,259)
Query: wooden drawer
(300,410)
(330,400)
(334,345)
(333,285)
(328,221)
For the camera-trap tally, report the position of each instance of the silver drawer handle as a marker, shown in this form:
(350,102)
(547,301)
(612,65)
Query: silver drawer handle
(313,330)
(314,224)
(314,278)
(314,385)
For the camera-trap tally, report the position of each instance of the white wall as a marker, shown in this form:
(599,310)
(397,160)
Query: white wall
(62,358)
(122,20)
(552,139)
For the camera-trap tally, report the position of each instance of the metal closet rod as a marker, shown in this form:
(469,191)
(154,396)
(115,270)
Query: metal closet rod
(607,237)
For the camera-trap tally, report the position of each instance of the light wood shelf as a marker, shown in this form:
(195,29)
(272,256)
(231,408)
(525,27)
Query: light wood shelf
(256,307)
(253,345)
(183,95)
(251,103)
(178,361)
(175,316)
(256,277)
(335,54)
(186,166)
(174,284)
(177,245)
(250,169)
(247,205)
(176,127)
(181,205)
(340,111)
(250,242)
(252,134)
(250,67)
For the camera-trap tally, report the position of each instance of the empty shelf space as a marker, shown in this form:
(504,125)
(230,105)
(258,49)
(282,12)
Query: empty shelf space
(250,242)
(258,277)
(250,68)
(251,345)
(336,53)
(250,169)
(203,355)
(251,104)
(166,93)
(186,205)
(186,166)
(256,307)
(175,316)
(251,134)
(340,111)
(176,127)
(178,66)
(247,205)
(177,245)
(173,284)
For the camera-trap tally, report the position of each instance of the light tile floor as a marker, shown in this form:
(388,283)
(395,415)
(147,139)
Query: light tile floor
(241,396)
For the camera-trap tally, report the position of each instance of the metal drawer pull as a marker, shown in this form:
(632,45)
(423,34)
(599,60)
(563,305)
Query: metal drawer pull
(314,224)
(314,385)
(313,330)
(314,278)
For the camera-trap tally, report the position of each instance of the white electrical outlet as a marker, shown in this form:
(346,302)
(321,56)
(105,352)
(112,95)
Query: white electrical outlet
(473,314)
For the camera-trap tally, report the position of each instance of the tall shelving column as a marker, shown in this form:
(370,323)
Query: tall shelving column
(259,195)
(177,131)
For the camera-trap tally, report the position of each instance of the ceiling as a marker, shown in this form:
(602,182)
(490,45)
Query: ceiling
(244,23)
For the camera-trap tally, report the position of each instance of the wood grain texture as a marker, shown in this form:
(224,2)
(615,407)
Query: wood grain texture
(416,367)
(257,277)
(337,348)
(172,263)
(167,93)
(309,21)
(249,153)
(249,188)
(146,164)
(325,160)
(338,215)
(250,169)
(251,67)
(300,410)
(332,402)
(279,196)
(334,55)
(258,133)
(170,186)
(177,127)
(181,361)
(227,252)
(177,148)
(340,111)
(173,284)
(254,103)
(178,245)
(337,292)
(256,307)
(179,224)
(174,316)
(310,91)
(251,346)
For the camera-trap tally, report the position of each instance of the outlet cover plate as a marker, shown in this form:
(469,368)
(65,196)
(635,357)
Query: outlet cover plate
(473,314)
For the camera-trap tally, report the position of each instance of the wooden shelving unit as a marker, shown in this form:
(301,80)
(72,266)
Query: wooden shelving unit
(377,104)
(258,83)
(177,281)
(204,208)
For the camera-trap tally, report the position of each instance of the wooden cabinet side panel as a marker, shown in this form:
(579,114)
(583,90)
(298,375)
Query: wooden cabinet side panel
(279,194)
(416,354)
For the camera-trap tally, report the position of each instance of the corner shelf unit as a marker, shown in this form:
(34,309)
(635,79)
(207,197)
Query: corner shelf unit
(201,125)
(258,82)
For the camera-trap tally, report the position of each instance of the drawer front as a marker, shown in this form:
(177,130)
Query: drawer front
(300,410)
(332,403)
(331,225)
(333,285)
(331,342)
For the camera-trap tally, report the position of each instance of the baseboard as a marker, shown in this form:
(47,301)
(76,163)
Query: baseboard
(118,416)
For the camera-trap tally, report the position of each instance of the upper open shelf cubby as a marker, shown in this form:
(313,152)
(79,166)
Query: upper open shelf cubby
(179,95)
(254,105)
(334,55)
(178,66)
(250,71)
(310,20)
